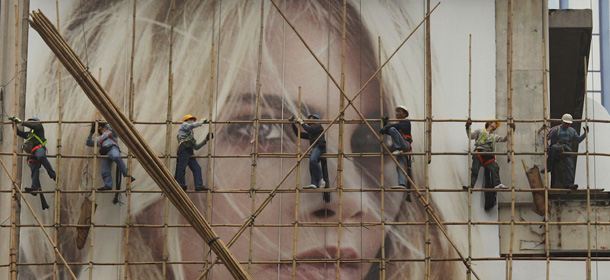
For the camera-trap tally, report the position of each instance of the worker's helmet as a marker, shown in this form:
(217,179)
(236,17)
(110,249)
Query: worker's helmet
(188,116)
(404,108)
(316,116)
(567,118)
(34,119)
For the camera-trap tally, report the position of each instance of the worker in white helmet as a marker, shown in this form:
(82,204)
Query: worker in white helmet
(562,138)
(400,132)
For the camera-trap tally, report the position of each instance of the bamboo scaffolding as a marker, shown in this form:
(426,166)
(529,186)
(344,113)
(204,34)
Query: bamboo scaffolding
(297,189)
(425,203)
(168,132)
(545,116)
(17,189)
(135,141)
(341,148)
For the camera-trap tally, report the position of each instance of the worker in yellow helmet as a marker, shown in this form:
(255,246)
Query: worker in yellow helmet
(186,146)
(485,141)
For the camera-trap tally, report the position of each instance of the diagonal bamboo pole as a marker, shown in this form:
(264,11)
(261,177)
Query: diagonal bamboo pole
(132,138)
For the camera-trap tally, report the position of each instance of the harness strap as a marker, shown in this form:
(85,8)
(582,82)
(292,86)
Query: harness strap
(483,162)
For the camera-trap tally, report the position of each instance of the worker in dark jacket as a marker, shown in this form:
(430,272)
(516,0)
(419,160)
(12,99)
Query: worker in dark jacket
(108,144)
(186,146)
(400,133)
(312,132)
(562,138)
(35,145)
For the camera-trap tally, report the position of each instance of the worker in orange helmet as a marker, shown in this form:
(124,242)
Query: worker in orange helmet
(186,146)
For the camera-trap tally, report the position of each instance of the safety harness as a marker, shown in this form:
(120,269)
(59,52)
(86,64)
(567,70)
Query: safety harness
(488,158)
(42,144)
(407,138)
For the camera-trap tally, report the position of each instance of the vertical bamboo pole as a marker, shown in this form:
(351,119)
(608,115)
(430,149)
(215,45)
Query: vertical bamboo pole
(428,143)
(588,175)
(468,270)
(257,116)
(340,151)
(93,189)
(297,191)
(210,182)
(545,116)
(129,155)
(58,161)
(16,172)
(168,131)
(509,95)
(382,264)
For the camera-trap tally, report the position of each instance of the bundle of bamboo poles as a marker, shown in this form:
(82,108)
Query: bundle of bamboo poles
(132,138)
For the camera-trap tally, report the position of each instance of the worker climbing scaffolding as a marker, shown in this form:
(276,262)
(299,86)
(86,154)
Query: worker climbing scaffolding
(108,144)
(186,146)
(35,144)
(400,134)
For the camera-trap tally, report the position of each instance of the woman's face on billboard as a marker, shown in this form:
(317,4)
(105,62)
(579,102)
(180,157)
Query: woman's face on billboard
(289,65)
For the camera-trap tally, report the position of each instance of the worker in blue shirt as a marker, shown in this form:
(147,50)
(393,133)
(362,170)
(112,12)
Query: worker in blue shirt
(562,138)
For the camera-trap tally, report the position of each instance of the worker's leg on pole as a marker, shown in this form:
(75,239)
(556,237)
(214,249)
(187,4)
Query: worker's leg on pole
(196,169)
(398,143)
(402,179)
(35,168)
(494,170)
(568,161)
(474,170)
(106,172)
(552,152)
(115,155)
(181,163)
(315,169)
(41,155)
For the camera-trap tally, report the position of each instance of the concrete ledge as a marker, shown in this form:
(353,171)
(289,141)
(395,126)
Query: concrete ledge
(571,18)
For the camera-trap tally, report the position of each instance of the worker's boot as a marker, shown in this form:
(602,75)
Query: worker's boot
(104,188)
(30,190)
(201,189)
(573,187)
(183,188)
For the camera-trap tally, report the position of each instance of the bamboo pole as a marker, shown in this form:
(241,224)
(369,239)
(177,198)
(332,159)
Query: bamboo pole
(509,93)
(588,265)
(382,265)
(468,272)
(15,203)
(168,131)
(135,141)
(341,147)
(93,188)
(58,161)
(545,115)
(129,155)
(297,189)
(428,143)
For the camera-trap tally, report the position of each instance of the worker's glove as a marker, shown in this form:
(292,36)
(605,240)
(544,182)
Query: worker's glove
(15,119)
(204,121)
(92,128)
(586,128)
(384,120)
(512,125)
(300,121)
(291,118)
(468,123)
(209,136)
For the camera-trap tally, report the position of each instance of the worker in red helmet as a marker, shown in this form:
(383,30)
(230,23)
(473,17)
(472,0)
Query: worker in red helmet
(186,148)
(400,133)
(312,131)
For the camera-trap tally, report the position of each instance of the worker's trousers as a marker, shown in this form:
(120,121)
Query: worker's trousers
(315,167)
(114,155)
(399,143)
(492,167)
(184,160)
(556,150)
(38,158)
